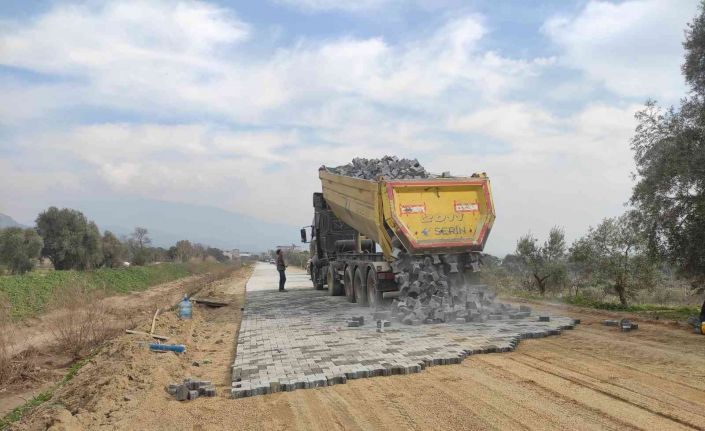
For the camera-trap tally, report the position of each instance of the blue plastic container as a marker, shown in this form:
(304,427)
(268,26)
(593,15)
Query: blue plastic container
(185,308)
(178,348)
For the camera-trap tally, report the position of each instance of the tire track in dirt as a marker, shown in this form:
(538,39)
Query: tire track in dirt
(620,408)
(671,358)
(676,395)
(549,407)
(650,404)
(633,371)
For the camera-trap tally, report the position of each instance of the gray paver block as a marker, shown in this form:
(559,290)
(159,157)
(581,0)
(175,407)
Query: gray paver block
(303,341)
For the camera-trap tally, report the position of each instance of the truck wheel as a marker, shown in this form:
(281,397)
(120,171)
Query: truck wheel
(374,296)
(335,288)
(360,287)
(348,284)
(313,277)
(319,279)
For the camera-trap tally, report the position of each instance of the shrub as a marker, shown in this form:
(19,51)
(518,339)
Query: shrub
(84,320)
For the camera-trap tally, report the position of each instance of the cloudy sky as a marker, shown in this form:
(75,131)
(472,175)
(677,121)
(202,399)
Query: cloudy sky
(235,104)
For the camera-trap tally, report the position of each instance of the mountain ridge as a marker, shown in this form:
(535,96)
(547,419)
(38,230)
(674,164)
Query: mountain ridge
(7,221)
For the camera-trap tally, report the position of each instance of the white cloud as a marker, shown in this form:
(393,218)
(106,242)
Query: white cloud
(633,48)
(339,5)
(188,58)
(74,39)
(570,171)
(218,120)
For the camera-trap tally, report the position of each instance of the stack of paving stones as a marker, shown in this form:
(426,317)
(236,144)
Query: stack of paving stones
(388,167)
(433,289)
(625,325)
(303,340)
(191,389)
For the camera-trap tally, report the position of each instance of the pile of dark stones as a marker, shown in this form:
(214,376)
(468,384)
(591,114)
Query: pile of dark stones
(388,167)
(440,289)
(191,389)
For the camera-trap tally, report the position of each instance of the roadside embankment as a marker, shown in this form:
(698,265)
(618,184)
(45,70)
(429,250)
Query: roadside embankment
(31,294)
(39,350)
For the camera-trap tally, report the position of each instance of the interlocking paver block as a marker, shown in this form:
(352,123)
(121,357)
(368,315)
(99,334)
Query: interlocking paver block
(302,340)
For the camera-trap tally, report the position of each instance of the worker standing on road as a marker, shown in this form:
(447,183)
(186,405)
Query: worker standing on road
(281,267)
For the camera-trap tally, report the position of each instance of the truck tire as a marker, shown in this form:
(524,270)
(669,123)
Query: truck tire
(313,277)
(348,284)
(374,296)
(318,277)
(335,288)
(360,284)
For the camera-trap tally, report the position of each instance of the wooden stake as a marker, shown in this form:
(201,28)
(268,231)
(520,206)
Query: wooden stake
(154,320)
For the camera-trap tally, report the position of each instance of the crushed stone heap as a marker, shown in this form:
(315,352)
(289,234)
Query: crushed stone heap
(388,167)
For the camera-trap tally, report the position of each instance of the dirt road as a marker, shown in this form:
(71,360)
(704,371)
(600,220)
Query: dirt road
(590,378)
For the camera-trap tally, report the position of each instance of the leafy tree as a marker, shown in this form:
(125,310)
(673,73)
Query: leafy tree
(70,240)
(669,150)
(19,249)
(139,246)
(614,255)
(216,253)
(158,254)
(114,250)
(545,263)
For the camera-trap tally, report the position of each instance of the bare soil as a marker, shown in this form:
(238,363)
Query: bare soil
(593,377)
(47,361)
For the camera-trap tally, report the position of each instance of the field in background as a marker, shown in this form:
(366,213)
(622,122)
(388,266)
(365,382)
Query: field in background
(31,294)
(670,299)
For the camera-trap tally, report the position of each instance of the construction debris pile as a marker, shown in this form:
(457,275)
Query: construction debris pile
(388,167)
(191,389)
(434,289)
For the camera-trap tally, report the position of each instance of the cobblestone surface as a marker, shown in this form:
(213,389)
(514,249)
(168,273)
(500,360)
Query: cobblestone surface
(301,339)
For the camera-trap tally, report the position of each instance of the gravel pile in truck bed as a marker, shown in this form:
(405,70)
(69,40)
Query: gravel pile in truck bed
(388,167)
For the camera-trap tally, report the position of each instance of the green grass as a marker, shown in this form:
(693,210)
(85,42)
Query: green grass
(17,413)
(658,311)
(652,310)
(30,294)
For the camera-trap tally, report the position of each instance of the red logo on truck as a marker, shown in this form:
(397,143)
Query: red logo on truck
(466,207)
(408,209)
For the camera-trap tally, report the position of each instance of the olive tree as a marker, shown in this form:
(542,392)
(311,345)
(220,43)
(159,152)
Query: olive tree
(70,240)
(546,263)
(19,249)
(114,250)
(614,255)
(669,150)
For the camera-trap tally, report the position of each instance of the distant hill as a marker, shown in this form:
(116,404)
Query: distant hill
(169,222)
(7,221)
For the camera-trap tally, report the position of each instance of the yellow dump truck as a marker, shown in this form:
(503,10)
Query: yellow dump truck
(364,230)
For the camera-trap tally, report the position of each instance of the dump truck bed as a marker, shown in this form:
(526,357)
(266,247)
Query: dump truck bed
(434,215)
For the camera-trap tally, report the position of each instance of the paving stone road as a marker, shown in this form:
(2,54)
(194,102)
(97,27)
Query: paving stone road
(266,278)
(301,339)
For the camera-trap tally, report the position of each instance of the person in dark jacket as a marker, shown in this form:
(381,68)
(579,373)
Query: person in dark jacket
(281,267)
